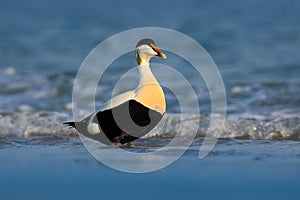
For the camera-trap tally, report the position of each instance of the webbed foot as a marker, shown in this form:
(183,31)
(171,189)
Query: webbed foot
(117,144)
(131,144)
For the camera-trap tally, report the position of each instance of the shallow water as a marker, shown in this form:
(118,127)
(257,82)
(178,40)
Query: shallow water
(235,168)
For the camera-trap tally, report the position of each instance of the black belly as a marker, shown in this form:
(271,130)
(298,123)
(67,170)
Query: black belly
(127,122)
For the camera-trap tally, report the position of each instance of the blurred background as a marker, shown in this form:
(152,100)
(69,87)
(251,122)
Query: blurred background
(255,45)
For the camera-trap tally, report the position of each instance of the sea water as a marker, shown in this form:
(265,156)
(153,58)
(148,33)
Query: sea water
(255,45)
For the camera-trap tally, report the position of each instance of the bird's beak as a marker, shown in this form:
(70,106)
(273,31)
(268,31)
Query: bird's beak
(158,51)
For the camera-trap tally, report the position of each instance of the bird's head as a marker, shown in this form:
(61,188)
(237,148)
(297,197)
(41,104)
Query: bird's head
(146,49)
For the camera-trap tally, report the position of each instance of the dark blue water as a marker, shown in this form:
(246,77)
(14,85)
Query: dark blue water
(255,45)
(234,169)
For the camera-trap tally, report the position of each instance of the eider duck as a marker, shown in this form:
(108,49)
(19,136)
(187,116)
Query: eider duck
(132,114)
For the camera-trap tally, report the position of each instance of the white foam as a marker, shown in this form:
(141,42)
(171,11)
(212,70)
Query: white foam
(244,127)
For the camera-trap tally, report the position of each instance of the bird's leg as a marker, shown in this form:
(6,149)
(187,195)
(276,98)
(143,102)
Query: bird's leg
(117,140)
(131,144)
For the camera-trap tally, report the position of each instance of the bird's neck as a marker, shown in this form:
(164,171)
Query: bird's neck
(145,74)
(149,93)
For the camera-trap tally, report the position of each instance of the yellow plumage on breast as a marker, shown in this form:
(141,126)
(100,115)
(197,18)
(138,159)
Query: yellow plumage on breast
(152,96)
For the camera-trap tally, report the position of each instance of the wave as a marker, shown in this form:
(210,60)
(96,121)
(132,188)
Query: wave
(252,127)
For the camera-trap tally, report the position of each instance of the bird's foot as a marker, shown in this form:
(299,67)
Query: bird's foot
(131,144)
(117,144)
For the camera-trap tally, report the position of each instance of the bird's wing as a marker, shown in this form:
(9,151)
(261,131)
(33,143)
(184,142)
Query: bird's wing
(117,100)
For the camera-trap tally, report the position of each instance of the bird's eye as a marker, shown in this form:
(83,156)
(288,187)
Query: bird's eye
(153,47)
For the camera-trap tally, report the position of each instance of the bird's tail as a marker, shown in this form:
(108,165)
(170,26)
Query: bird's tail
(70,124)
(81,127)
